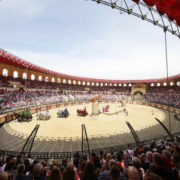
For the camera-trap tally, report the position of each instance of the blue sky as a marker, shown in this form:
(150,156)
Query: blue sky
(82,38)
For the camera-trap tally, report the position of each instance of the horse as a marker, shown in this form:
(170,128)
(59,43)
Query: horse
(23,116)
(62,113)
(39,115)
(43,115)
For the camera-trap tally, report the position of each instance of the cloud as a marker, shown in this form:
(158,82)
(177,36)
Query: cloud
(141,64)
(85,39)
(21,8)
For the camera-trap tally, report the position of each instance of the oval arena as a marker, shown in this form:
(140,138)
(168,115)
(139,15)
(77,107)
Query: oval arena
(36,90)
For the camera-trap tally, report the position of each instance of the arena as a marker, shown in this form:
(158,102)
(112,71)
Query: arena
(92,101)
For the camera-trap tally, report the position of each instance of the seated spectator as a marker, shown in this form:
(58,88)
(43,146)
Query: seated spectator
(135,172)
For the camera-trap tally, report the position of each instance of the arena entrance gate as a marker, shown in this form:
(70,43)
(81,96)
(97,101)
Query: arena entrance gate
(138,96)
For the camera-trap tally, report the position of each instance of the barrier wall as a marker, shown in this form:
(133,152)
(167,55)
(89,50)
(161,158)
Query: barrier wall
(9,116)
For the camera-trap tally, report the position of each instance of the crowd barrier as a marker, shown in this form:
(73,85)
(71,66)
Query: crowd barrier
(69,155)
(9,116)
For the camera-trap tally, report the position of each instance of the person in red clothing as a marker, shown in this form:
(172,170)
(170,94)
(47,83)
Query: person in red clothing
(167,159)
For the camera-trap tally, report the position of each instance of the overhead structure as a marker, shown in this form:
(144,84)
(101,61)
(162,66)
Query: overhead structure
(162,13)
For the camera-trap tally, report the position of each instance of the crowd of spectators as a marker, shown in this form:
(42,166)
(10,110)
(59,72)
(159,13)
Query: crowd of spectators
(12,99)
(40,93)
(164,95)
(163,89)
(159,160)
(35,84)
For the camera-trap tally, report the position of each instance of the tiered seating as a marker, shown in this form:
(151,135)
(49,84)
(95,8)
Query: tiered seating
(164,95)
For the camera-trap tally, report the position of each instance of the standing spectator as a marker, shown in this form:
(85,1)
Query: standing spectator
(70,173)
(55,174)
(89,173)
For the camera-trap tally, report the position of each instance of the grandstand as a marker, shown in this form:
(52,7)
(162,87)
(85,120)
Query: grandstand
(55,125)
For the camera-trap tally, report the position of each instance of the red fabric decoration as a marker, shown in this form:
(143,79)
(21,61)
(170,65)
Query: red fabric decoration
(136,1)
(163,5)
(150,2)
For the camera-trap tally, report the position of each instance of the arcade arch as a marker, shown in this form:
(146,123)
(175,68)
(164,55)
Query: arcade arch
(69,81)
(46,79)
(138,96)
(32,77)
(53,79)
(64,81)
(15,74)
(24,75)
(5,72)
(74,82)
(40,78)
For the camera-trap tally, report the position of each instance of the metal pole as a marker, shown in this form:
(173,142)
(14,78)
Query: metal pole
(87,140)
(167,74)
(82,140)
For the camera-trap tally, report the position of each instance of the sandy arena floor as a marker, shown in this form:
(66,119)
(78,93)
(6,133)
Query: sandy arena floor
(139,116)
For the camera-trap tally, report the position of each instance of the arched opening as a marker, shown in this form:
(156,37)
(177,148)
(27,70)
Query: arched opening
(101,84)
(88,83)
(130,85)
(64,81)
(158,84)
(74,82)
(164,84)
(5,72)
(46,79)
(115,84)
(171,84)
(178,83)
(24,75)
(79,82)
(92,84)
(138,96)
(125,85)
(58,80)
(32,77)
(97,84)
(105,84)
(53,79)
(152,84)
(120,85)
(40,78)
(84,83)
(69,81)
(15,74)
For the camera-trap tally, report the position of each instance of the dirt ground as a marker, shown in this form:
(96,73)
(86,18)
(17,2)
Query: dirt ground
(139,116)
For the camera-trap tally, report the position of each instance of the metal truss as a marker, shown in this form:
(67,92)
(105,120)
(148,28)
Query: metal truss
(144,12)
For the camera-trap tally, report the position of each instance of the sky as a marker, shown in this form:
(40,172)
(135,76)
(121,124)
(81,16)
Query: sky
(82,38)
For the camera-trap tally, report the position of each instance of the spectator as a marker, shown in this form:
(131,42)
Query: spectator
(55,174)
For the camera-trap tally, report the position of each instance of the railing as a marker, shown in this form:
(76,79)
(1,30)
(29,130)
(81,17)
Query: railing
(69,155)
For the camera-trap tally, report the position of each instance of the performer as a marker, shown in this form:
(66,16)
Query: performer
(126,112)
(152,112)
